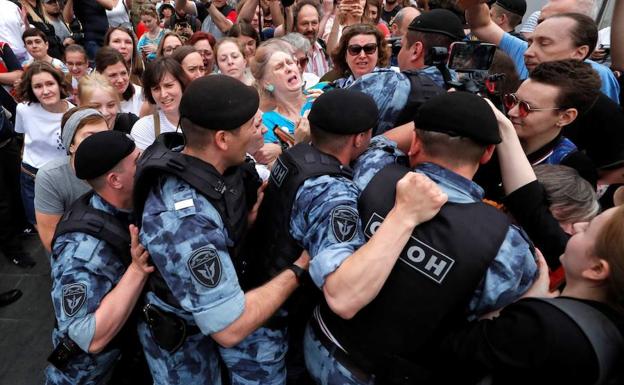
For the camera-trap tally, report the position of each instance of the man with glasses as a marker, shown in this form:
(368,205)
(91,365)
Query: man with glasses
(306,19)
(550,99)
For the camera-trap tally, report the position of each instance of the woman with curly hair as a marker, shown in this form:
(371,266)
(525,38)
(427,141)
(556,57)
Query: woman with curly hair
(361,49)
(43,90)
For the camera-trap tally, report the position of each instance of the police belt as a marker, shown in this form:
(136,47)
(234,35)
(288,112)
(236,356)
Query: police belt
(340,355)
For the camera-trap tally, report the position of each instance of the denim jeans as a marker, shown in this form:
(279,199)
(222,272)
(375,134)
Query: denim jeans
(27,183)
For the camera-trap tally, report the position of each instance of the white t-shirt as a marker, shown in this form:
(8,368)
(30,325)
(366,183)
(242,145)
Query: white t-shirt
(143,130)
(42,133)
(134,104)
(118,15)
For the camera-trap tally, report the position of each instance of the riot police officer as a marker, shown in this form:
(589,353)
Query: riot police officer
(468,260)
(194,202)
(311,203)
(95,281)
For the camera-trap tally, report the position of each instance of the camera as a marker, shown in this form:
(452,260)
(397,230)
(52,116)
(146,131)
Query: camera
(395,44)
(471,60)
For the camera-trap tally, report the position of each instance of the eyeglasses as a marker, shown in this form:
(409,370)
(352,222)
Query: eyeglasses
(524,109)
(355,49)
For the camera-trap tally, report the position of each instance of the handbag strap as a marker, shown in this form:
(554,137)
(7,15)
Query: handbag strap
(604,336)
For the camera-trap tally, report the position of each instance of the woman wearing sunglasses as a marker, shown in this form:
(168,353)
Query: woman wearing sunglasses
(361,49)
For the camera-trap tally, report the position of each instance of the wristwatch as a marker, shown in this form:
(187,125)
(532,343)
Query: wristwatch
(297,270)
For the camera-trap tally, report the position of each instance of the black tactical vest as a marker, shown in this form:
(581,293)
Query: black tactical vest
(428,289)
(232,194)
(422,88)
(270,242)
(82,218)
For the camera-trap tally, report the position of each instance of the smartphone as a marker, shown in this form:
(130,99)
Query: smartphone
(470,56)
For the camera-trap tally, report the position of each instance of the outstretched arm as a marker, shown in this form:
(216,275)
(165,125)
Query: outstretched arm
(480,23)
(361,276)
(117,305)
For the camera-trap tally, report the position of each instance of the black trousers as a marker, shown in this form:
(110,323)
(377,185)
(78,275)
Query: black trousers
(12,218)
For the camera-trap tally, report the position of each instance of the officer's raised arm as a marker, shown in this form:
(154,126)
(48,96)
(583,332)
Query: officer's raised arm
(117,305)
(98,267)
(360,277)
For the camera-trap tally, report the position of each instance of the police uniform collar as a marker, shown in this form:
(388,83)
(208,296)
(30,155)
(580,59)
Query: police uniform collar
(442,174)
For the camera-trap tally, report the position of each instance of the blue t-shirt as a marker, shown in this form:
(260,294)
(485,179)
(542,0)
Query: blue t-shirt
(516,48)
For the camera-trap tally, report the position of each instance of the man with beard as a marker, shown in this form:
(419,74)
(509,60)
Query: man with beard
(307,18)
(62,31)
(389,10)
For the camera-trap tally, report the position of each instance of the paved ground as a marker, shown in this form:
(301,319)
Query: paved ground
(26,325)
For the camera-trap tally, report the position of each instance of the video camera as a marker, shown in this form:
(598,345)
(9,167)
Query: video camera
(472,61)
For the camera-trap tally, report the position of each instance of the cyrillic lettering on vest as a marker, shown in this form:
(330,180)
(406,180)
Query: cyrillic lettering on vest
(417,254)
(279,172)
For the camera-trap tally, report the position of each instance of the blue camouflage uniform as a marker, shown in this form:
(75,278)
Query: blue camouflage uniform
(390,90)
(510,274)
(183,230)
(84,271)
(324,219)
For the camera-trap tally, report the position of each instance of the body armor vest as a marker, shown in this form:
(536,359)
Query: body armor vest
(270,242)
(429,288)
(82,218)
(422,88)
(232,194)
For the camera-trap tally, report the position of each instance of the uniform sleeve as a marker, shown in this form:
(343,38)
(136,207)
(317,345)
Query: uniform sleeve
(381,152)
(515,48)
(143,132)
(510,275)
(390,104)
(188,246)
(325,221)
(82,274)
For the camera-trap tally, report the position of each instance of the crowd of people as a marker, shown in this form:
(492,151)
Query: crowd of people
(313,192)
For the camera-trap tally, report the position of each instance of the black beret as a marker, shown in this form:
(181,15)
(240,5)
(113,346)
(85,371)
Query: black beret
(440,21)
(343,112)
(514,6)
(100,152)
(218,102)
(459,114)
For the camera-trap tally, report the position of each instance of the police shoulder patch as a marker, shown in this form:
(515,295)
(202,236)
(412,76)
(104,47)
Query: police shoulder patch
(205,266)
(344,222)
(74,297)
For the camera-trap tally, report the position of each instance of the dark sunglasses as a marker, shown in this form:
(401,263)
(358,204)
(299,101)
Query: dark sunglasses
(355,49)
(524,109)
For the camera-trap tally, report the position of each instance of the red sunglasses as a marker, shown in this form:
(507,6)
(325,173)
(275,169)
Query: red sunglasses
(524,109)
